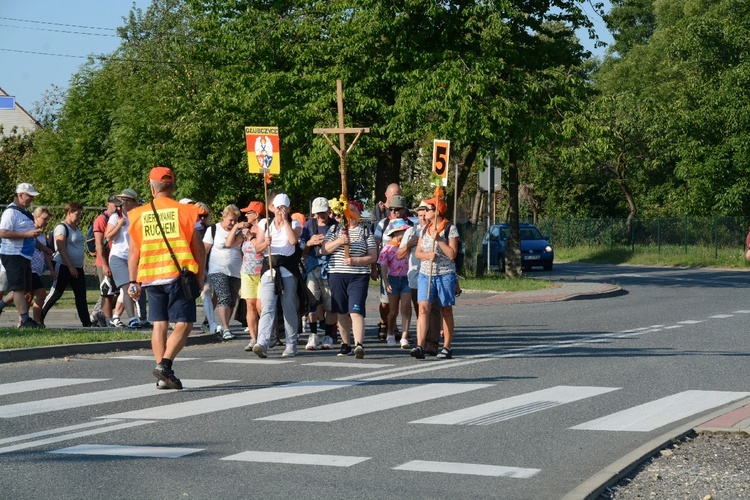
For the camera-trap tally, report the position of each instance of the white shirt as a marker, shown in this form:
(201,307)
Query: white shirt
(223,260)
(13,220)
(120,245)
(280,242)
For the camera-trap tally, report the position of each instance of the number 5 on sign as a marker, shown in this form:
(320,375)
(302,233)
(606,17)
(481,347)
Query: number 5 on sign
(441,152)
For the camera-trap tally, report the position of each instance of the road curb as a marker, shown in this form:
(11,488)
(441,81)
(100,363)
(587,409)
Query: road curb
(614,292)
(593,487)
(60,351)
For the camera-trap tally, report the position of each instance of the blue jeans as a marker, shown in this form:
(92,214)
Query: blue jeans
(267,296)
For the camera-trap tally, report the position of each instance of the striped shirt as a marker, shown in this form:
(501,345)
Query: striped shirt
(360,241)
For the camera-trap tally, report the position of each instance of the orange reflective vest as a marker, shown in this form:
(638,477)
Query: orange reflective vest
(178,221)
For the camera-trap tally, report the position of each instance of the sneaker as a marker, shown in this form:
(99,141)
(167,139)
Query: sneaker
(30,323)
(417,352)
(391,340)
(250,345)
(227,335)
(290,351)
(246,330)
(146,324)
(445,353)
(134,324)
(260,351)
(404,343)
(346,350)
(117,323)
(101,320)
(166,375)
(217,329)
(312,343)
(327,342)
(359,351)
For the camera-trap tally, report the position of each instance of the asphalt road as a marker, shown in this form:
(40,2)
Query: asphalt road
(539,398)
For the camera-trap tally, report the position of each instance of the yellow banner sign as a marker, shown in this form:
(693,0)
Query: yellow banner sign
(263,154)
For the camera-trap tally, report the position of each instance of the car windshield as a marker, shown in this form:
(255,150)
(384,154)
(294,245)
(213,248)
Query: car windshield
(525,233)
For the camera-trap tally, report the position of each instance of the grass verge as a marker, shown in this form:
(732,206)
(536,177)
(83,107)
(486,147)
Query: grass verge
(15,338)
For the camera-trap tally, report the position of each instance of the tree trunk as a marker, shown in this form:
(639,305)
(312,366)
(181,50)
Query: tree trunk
(476,207)
(631,203)
(388,170)
(513,246)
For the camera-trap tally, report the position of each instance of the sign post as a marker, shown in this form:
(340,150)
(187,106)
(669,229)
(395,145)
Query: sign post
(341,149)
(263,158)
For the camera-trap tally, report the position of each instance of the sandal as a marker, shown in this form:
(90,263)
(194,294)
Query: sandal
(382,331)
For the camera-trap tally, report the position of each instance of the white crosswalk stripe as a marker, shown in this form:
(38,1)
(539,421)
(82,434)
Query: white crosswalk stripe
(229,401)
(658,413)
(385,401)
(93,398)
(464,468)
(296,458)
(44,383)
(517,406)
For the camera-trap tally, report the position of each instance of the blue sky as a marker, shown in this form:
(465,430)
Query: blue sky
(44,42)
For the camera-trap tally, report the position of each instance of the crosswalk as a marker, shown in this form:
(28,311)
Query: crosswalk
(348,399)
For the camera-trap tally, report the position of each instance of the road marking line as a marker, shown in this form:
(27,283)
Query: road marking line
(112,450)
(94,398)
(59,430)
(721,316)
(148,358)
(75,435)
(44,383)
(658,413)
(742,311)
(296,458)
(235,400)
(251,361)
(369,404)
(471,469)
(690,322)
(672,327)
(516,406)
(334,364)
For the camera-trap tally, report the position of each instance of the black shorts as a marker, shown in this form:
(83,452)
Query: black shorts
(168,303)
(18,271)
(349,292)
(36,282)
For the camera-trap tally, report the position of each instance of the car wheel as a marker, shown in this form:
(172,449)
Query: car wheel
(547,267)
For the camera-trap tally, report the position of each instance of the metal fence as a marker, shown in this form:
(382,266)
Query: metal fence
(660,234)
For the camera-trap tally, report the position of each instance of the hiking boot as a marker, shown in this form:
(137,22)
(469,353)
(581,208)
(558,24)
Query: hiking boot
(312,342)
(166,375)
(30,323)
(359,351)
(260,351)
(346,350)
(417,352)
(445,353)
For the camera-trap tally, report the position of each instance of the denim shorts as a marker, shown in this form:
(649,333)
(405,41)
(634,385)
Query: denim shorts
(399,285)
(442,286)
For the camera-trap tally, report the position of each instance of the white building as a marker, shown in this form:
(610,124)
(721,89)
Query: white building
(13,117)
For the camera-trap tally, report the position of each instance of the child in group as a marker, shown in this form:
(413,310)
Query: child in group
(396,282)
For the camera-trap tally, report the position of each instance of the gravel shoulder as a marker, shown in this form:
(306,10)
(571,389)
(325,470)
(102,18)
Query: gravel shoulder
(705,466)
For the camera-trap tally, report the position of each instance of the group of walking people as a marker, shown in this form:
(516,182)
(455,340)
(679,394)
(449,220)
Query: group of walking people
(281,265)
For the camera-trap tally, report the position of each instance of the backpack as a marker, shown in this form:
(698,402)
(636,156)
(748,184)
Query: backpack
(459,260)
(51,237)
(90,245)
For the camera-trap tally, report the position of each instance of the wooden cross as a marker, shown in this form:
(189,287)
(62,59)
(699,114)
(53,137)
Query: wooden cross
(341,150)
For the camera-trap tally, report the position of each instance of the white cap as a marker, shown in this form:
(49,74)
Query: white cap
(27,188)
(281,200)
(187,201)
(319,205)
